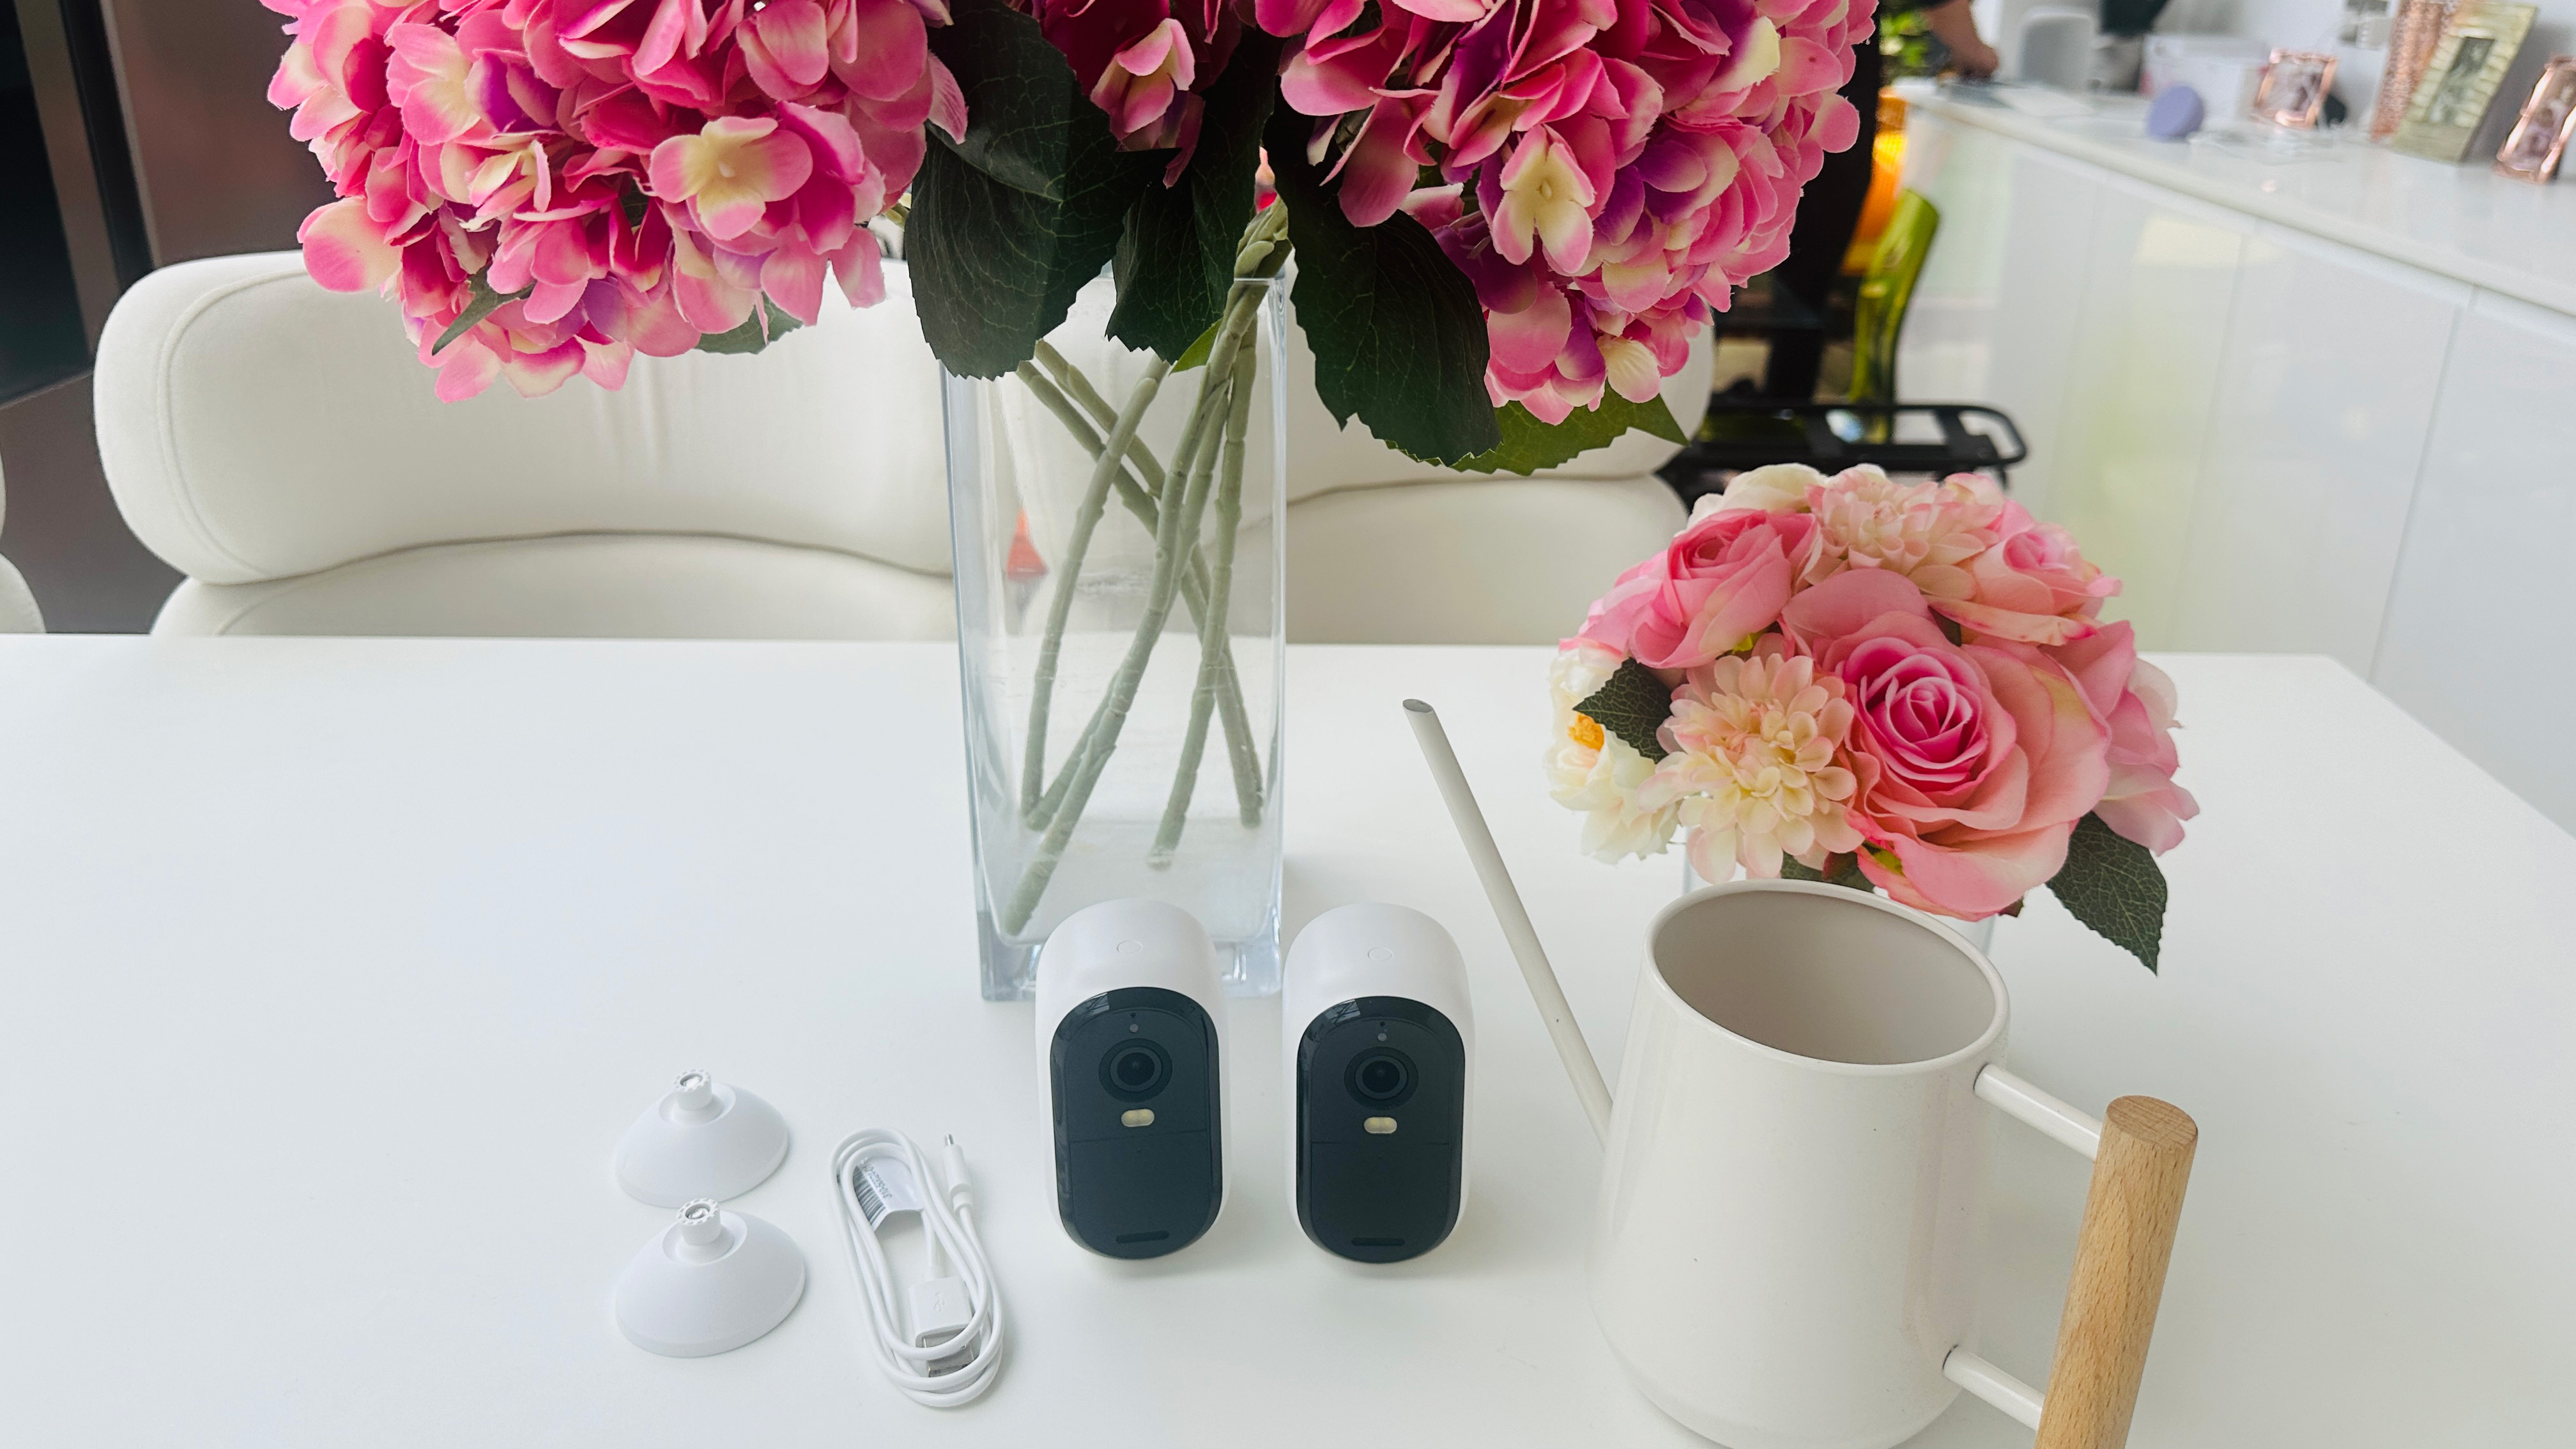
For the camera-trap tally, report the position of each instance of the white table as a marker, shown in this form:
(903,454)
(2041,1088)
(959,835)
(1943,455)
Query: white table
(334,968)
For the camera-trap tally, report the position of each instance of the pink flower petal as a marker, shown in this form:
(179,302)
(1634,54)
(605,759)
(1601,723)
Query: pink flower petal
(1377,175)
(427,78)
(892,48)
(1847,602)
(465,369)
(1287,17)
(343,250)
(860,269)
(707,299)
(534,374)
(791,34)
(827,134)
(1528,341)
(794,280)
(605,363)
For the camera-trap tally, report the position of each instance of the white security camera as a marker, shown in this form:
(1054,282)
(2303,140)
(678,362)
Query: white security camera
(1129,1048)
(1380,1042)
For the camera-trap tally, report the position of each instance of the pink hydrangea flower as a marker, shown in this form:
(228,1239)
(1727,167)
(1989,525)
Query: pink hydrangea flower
(631,174)
(1146,63)
(1610,169)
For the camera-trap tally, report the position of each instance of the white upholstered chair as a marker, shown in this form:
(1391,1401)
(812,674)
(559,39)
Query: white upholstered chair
(18,614)
(281,446)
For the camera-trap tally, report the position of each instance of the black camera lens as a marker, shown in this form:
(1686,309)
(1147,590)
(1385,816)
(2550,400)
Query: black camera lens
(1383,1076)
(1135,1070)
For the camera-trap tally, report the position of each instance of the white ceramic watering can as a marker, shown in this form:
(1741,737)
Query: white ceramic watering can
(1783,1247)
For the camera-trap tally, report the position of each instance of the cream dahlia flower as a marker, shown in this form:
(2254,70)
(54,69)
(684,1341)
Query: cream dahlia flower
(1924,531)
(1756,772)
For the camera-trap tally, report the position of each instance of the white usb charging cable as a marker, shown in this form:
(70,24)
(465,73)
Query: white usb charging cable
(943,1346)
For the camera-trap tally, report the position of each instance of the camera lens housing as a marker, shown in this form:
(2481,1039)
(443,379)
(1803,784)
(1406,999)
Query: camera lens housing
(1379,1037)
(1381,1077)
(1135,1070)
(1129,1047)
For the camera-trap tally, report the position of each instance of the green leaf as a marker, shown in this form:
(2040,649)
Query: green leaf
(2112,884)
(1398,338)
(1841,870)
(1632,704)
(481,303)
(1196,354)
(749,337)
(1010,222)
(1176,254)
(1529,445)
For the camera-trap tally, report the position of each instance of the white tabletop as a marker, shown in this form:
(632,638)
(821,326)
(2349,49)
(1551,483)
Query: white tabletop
(2463,222)
(333,970)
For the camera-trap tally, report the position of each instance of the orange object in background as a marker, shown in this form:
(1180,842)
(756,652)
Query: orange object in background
(1886,163)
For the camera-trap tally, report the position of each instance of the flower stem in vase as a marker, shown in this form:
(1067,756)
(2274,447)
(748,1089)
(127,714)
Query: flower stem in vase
(1075,402)
(1216,646)
(1095,500)
(1180,522)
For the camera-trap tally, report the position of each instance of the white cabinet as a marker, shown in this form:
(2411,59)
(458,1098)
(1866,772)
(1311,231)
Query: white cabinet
(2478,643)
(2324,395)
(2046,247)
(2125,464)
(1950,325)
(1993,315)
(2280,443)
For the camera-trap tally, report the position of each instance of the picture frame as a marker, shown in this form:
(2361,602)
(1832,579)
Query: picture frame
(2412,35)
(2459,83)
(2540,134)
(2292,93)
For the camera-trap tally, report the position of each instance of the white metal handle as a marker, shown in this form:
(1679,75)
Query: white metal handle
(2020,1100)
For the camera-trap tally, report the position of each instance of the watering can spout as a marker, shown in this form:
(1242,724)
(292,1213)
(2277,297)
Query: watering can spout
(1512,915)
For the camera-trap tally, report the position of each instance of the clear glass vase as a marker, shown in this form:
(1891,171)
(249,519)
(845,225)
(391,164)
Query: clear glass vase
(1119,632)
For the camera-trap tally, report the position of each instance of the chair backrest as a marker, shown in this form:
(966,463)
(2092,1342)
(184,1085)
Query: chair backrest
(254,426)
(18,613)
(1886,290)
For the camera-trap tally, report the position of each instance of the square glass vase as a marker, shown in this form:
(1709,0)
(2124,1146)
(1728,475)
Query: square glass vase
(1120,604)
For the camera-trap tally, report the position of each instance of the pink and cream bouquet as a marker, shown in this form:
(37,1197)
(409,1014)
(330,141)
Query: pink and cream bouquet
(1903,687)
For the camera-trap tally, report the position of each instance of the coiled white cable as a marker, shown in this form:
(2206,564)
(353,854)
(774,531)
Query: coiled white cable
(947,1206)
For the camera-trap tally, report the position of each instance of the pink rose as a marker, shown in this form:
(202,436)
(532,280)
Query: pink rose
(2032,585)
(1724,578)
(1975,761)
(2141,802)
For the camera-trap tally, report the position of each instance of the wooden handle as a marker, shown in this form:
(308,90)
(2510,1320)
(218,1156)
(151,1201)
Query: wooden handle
(2129,1220)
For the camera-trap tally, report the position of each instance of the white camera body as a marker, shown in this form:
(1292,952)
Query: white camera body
(1379,1044)
(1130,1039)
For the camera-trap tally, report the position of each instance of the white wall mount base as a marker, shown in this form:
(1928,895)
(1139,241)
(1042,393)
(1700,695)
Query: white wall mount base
(702,1139)
(708,1283)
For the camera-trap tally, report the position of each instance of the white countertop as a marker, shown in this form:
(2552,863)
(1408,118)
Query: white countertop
(330,971)
(2463,222)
